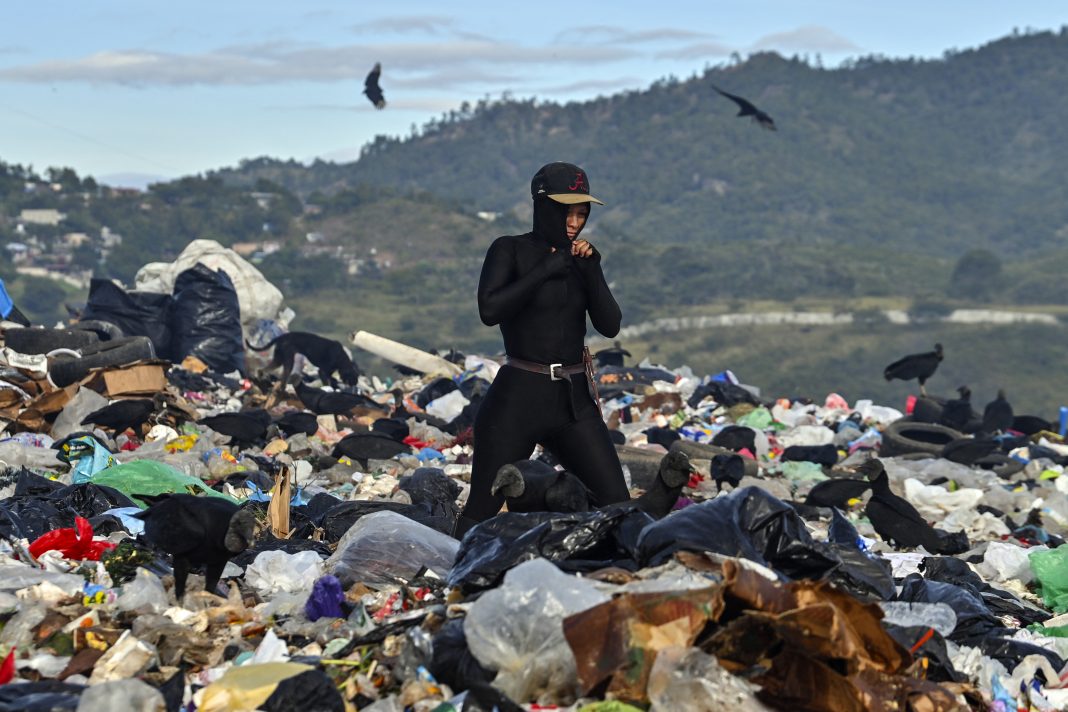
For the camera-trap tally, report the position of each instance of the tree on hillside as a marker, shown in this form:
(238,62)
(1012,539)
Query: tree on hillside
(976,275)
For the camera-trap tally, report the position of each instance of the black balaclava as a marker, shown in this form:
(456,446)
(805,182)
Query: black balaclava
(550,222)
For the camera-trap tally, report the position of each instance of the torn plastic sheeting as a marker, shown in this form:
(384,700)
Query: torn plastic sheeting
(15,577)
(516,629)
(689,680)
(342,516)
(126,695)
(42,696)
(749,523)
(949,569)
(385,547)
(40,505)
(934,502)
(617,641)
(582,541)
(1007,561)
(149,477)
(311,691)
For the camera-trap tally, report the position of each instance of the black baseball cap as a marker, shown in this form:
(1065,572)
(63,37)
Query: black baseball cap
(563,182)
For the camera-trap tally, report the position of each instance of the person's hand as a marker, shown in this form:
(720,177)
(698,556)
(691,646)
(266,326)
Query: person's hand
(581,248)
(557,262)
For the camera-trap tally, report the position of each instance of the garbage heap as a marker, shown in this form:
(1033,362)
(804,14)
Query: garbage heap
(751,594)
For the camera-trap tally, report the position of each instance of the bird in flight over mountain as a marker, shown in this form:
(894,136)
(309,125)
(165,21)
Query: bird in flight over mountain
(371,88)
(746,108)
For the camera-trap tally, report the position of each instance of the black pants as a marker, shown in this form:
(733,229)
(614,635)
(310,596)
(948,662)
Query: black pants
(522,409)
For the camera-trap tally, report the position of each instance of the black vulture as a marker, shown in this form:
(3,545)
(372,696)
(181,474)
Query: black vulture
(671,477)
(333,402)
(123,414)
(836,492)
(894,519)
(997,416)
(533,486)
(611,357)
(957,412)
(195,531)
(746,108)
(244,428)
(918,366)
(371,88)
(298,421)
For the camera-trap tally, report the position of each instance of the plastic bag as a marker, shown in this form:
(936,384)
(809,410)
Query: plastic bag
(448,406)
(148,477)
(136,313)
(277,571)
(517,629)
(1051,570)
(144,594)
(1005,561)
(581,541)
(69,420)
(688,680)
(38,696)
(206,320)
(247,687)
(87,457)
(74,543)
(749,523)
(126,695)
(325,599)
(385,547)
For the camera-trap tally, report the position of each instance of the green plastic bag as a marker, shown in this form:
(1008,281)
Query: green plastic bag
(1051,572)
(148,477)
(758,419)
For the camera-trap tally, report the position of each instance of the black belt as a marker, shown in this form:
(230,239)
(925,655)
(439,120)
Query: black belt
(555,371)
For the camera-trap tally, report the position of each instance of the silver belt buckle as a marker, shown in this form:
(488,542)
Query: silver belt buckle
(552,372)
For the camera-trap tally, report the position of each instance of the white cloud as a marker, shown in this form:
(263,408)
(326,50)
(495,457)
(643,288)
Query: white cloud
(287,62)
(611,34)
(697,50)
(592,85)
(406,24)
(810,38)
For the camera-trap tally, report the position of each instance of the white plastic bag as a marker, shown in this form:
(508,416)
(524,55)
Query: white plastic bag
(517,629)
(277,571)
(144,594)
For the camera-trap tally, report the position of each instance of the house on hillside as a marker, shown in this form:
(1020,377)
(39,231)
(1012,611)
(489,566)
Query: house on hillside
(73,240)
(41,216)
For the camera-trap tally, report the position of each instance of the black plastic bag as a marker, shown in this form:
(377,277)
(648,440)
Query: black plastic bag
(340,518)
(975,622)
(749,523)
(37,507)
(362,447)
(42,696)
(310,691)
(820,454)
(933,647)
(136,313)
(452,662)
(1001,603)
(580,541)
(433,490)
(1011,652)
(432,391)
(206,320)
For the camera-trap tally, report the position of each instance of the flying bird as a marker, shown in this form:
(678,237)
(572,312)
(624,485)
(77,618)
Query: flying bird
(918,366)
(746,108)
(371,88)
(206,531)
(997,416)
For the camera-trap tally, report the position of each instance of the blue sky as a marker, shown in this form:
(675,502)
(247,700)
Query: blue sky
(167,89)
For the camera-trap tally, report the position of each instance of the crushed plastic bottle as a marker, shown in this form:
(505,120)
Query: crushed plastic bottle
(939,616)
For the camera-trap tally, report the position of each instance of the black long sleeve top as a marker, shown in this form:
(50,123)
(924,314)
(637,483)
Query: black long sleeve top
(540,298)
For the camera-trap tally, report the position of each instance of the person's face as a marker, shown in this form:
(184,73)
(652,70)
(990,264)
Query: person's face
(576,219)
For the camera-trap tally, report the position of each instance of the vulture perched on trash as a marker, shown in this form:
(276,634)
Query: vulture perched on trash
(371,88)
(918,366)
(894,519)
(195,531)
(123,414)
(997,416)
(746,108)
(533,486)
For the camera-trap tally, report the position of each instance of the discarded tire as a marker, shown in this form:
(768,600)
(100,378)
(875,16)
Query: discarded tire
(1001,465)
(41,341)
(108,353)
(905,436)
(105,330)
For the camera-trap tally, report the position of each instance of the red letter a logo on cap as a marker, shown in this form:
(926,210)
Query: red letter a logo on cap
(580,182)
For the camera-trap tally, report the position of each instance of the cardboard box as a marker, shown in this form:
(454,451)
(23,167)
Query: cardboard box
(143,378)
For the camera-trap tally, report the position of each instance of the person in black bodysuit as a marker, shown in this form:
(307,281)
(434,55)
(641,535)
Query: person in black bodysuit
(539,287)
